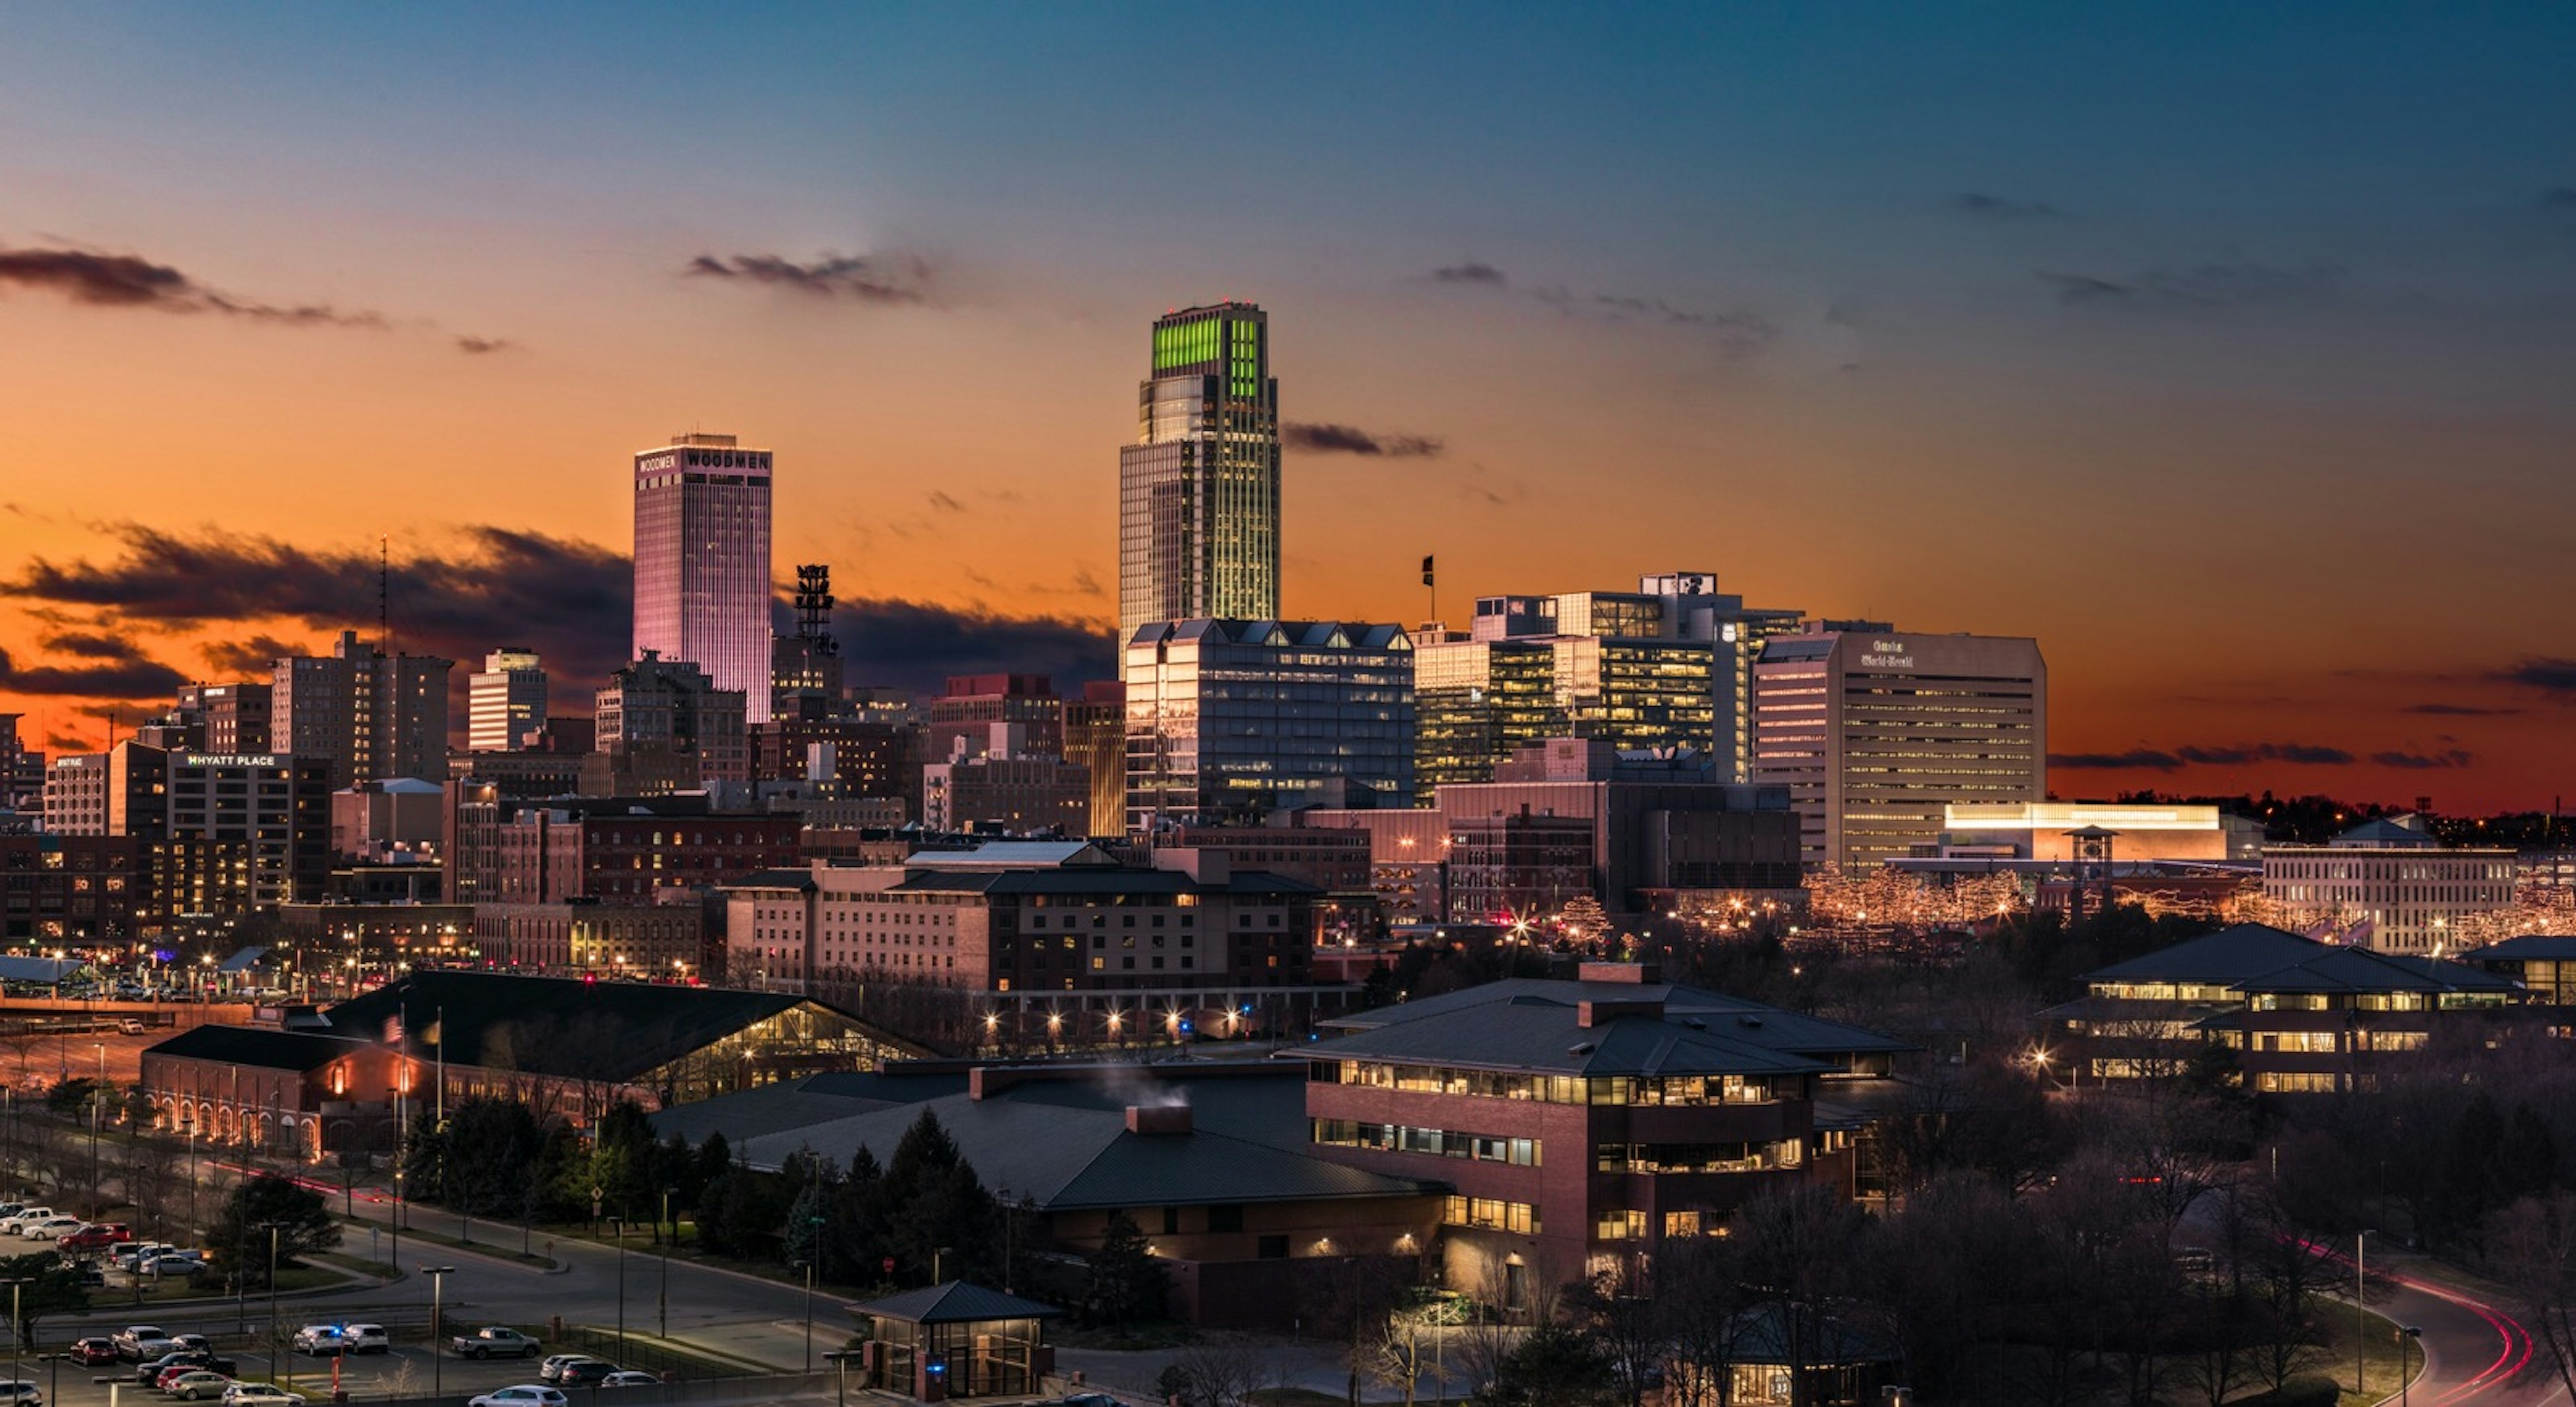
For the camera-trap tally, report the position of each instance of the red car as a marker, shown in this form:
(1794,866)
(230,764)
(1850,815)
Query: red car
(96,1236)
(92,1352)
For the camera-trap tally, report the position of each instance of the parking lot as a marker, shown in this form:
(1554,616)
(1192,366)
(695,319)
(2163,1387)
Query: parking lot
(404,1372)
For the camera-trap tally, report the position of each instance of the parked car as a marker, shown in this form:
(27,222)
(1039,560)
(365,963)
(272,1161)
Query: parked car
(124,1257)
(21,1393)
(172,1263)
(96,1236)
(138,1342)
(130,1026)
(10,1209)
(629,1377)
(366,1338)
(523,1395)
(495,1342)
(589,1372)
(261,1395)
(192,1387)
(16,1222)
(321,1340)
(52,1228)
(150,1373)
(552,1369)
(91,1352)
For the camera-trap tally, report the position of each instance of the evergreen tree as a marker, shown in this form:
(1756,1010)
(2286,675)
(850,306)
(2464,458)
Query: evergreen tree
(1125,1283)
(1554,1365)
(2527,1161)
(2465,1184)
(301,1216)
(857,1245)
(49,1285)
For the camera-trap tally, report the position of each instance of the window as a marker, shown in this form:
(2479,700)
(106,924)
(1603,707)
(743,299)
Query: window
(1225,1218)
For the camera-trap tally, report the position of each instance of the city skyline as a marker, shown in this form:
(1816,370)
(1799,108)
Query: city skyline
(2250,416)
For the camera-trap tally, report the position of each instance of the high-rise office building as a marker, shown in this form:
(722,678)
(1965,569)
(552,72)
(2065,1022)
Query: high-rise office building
(972,703)
(1095,735)
(234,717)
(1230,719)
(1876,732)
(702,561)
(1198,493)
(1666,666)
(505,701)
(370,715)
(663,726)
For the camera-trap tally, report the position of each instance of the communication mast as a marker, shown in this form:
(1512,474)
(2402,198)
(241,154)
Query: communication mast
(814,607)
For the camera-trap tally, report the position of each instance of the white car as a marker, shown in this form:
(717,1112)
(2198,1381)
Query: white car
(127,1257)
(552,1368)
(21,1392)
(52,1228)
(522,1395)
(365,1338)
(629,1377)
(16,1222)
(261,1395)
(321,1339)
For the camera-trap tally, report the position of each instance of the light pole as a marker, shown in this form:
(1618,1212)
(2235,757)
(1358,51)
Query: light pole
(617,1224)
(2360,1287)
(15,1286)
(437,1331)
(191,1123)
(662,1301)
(2406,1337)
(273,1228)
(97,1112)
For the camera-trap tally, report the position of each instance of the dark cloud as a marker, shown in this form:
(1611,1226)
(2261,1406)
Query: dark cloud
(2139,759)
(2212,285)
(2237,755)
(916,644)
(2452,710)
(125,281)
(2542,672)
(833,276)
(2000,207)
(944,502)
(478,346)
(67,742)
(1471,272)
(2423,761)
(249,658)
(1328,438)
(127,676)
(2559,198)
(93,647)
(1740,333)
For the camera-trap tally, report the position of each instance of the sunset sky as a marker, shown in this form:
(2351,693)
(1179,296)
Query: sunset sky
(2230,350)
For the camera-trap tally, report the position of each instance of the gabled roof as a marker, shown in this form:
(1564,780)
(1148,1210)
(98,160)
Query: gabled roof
(1535,1033)
(2215,959)
(2388,835)
(2526,947)
(1734,1018)
(559,1026)
(955,1302)
(259,1047)
(2251,958)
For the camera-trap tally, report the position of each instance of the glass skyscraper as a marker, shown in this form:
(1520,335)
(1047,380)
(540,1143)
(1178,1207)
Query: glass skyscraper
(1198,493)
(702,561)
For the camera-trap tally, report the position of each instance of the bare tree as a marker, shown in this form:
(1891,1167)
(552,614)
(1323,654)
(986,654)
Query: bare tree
(2532,1247)
(1700,1286)
(1223,1372)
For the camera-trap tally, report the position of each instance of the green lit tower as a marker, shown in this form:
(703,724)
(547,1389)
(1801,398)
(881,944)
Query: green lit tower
(1198,493)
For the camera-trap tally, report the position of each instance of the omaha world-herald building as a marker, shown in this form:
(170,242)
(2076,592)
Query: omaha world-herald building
(1876,731)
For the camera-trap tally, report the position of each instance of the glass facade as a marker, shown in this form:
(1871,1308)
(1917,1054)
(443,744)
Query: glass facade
(1198,493)
(702,586)
(1227,719)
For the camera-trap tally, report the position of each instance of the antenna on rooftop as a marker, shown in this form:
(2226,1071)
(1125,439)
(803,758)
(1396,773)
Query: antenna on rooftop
(814,606)
(384,580)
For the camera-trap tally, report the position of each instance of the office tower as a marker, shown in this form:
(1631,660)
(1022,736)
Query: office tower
(1229,719)
(505,701)
(971,703)
(2389,885)
(22,782)
(702,561)
(235,717)
(1876,733)
(664,726)
(1198,493)
(1663,667)
(1095,735)
(370,715)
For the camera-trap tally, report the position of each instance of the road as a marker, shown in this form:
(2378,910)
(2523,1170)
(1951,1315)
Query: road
(2476,1353)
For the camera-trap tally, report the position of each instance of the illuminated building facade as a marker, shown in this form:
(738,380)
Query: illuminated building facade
(369,714)
(702,588)
(1230,719)
(1198,493)
(672,711)
(1876,733)
(505,701)
(1095,735)
(2387,886)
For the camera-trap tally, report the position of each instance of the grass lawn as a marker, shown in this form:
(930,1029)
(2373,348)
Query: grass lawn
(2380,1352)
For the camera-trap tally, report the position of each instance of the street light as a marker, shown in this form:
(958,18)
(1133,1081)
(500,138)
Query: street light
(618,1224)
(273,1228)
(15,1286)
(97,1111)
(437,1303)
(669,1232)
(2406,1337)
(2360,1290)
(813,1253)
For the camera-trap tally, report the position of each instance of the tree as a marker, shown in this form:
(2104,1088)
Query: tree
(2533,1248)
(1555,1365)
(301,1216)
(53,1287)
(1700,1286)
(1124,1284)
(1620,1307)
(1218,1372)
(1402,1347)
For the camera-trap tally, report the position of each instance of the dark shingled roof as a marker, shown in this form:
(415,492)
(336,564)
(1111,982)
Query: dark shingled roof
(1536,1034)
(1098,881)
(2215,959)
(258,1046)
(955,1302)
(2527,947)
(2253,958)
(558,1026)
(1732,1019)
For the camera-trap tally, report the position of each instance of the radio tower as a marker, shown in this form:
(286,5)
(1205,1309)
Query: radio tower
(814,607)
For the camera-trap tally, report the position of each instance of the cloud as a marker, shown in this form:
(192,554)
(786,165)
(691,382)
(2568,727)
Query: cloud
(2237,755)
(1328,438)
(95,647)
(2452,710)
(942,501)
(126,676)
(2135,759)
(2212,285)
(832,276)
(478,346)
(127,281)
(1984,206)
(2545,673)
(2419,761)
(2559,198)
(251,657)
(1471,272)
(917,644)
(1740,332)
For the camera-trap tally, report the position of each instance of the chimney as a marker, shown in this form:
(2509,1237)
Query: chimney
(1590,1014)
(1158,1119)
(1633,973)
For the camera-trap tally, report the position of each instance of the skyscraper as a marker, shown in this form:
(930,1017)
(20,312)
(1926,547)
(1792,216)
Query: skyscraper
(1198,493)
(702,561)
(505,701)
(371,715)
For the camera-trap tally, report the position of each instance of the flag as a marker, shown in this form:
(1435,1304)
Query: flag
(1426,571)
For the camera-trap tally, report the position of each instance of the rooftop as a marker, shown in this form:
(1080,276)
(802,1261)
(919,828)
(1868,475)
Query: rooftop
(2251,957)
